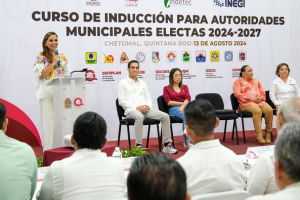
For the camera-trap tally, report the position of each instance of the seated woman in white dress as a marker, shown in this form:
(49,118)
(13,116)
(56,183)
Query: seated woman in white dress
(283,86)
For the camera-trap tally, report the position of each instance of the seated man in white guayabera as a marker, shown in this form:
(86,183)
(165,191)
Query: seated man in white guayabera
(135,99)
(261,179)
(18,167)
(88,173)
(287,164)
(210,167)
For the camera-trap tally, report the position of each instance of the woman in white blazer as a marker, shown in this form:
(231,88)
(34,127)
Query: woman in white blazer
(283,86)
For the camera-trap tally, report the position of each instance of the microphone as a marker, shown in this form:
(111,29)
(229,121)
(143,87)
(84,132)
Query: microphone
(56,53)
(83,70)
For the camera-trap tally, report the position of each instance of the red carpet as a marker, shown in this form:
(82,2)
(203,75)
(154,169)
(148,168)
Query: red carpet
(153,144)
(231,144)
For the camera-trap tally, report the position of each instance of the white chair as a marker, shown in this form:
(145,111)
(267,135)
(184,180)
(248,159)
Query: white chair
(228,195)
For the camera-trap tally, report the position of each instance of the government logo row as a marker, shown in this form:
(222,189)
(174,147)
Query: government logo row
(172,57)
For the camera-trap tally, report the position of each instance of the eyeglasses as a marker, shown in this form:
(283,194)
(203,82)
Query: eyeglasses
(177,75)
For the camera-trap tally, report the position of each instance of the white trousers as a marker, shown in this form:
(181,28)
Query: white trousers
(47,116)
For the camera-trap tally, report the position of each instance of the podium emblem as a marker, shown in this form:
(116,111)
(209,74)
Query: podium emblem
(68,103)
(78,102)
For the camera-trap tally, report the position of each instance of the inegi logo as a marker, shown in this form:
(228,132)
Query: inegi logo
(230,3)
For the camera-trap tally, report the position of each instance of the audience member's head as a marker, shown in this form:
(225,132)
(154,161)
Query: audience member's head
(2,113)
(287,162)
(89,131)
(156,176)
(200,118)
(289,111)
(3,119)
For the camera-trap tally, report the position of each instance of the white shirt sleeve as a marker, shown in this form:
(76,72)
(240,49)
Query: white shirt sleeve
(122,97)
(258,179)
(148,97)
(297,91)
(272,92)
(47,190)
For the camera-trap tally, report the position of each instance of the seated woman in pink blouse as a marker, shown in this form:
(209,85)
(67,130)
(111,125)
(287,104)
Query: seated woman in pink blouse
(251,97)
(176,96)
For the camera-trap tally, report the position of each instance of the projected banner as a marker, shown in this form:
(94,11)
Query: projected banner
(209,40)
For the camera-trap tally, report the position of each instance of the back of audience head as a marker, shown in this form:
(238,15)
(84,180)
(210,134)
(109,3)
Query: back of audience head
(2,114)
(200,117)
(287,148)
(3,119)
(156,176)
(89,131)
(289,111)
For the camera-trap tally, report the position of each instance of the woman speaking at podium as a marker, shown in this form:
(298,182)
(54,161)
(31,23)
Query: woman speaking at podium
(48,65)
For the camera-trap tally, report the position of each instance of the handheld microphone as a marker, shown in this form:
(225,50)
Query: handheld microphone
(56,53)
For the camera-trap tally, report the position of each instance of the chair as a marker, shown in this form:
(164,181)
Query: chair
(228,195)
(223,114)
(162,106)
(269,101)
(243,114)
(130,122)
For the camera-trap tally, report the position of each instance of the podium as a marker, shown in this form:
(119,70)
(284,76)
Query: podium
(69,94)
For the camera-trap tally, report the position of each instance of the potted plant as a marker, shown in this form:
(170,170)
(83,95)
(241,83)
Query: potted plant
(133,152)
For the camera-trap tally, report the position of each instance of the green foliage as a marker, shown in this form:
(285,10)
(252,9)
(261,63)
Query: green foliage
(133,152)
(39,161)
